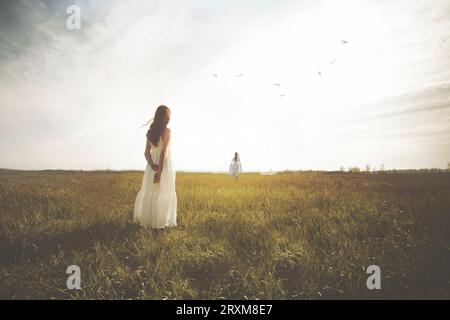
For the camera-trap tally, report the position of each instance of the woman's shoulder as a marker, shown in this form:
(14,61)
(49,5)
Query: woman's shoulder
(166,132)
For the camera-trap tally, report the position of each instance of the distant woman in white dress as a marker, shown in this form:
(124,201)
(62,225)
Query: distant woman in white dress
(235,166)
(156,203)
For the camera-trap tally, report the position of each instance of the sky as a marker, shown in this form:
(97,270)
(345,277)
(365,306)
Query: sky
(360,82)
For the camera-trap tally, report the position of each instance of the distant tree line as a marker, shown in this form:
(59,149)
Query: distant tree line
(369,169)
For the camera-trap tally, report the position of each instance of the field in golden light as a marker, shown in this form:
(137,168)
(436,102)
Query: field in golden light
(293,235)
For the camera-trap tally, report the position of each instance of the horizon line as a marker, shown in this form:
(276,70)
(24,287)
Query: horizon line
(348,170)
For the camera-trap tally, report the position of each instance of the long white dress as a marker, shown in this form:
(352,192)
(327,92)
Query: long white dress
(156,203)
(235,167)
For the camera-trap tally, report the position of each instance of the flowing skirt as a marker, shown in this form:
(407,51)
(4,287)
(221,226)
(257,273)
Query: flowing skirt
(234,169)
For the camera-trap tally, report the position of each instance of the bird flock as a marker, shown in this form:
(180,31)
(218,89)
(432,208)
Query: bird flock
(277,85)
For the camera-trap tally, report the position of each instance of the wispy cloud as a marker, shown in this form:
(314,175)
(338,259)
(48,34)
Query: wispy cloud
(77,98)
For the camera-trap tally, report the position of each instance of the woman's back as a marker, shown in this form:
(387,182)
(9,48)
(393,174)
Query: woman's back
(155,153)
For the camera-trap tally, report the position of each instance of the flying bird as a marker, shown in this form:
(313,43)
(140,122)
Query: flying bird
(320,73)
(214,75)
(239,75)
(344,41)
(276,84)
(333,61)
(282,95)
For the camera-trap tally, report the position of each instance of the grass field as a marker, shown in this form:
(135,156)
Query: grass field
(305,235)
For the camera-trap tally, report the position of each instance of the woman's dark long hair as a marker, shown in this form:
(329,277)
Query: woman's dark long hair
(158,125)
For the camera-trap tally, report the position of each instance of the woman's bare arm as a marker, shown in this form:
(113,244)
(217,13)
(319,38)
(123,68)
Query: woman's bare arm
(166,139)
(148,156)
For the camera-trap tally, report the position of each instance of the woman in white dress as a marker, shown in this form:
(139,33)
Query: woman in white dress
(235,166)
(156,203)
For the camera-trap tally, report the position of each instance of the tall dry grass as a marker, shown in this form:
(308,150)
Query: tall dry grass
(304,235)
